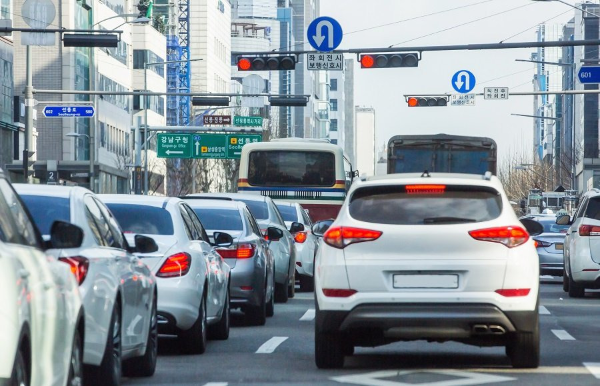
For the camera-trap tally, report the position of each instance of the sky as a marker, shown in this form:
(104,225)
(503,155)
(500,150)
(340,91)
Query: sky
(384,89)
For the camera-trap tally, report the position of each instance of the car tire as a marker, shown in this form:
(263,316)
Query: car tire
(76,368)
(575,290)
(20,374)
(109,371)
(307,283)
(271,302)
(524,350)
(329,351)
(220,331)
(257,315)
(145,365)
(193,341)
(281,292)
(292,285)
(565,281)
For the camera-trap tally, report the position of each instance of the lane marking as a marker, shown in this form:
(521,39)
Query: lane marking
(593,368)
(377,378)
(562,335)
(216,384)
(309,315)
(543,311)
(269,346)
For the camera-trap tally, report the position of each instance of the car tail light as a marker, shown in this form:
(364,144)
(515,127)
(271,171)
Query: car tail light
(176,265)
(341,237)
(338,293)
(240,251)
(79,266)
(510,236)
(589,230)
(514,292)
(540,243)
(425,189)
(300,237)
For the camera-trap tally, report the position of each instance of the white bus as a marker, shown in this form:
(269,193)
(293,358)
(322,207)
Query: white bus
(312,172)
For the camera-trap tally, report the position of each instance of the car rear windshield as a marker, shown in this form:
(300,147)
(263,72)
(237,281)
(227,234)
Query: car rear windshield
(288,212)
(550,225)
(221,219)
(143,219)
(425,204)
(593,208)
(258,209)
(45,210)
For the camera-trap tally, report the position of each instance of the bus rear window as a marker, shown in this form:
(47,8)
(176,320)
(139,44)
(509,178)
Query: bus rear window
(291,168)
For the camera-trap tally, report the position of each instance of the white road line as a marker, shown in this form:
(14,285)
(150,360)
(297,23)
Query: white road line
(309,315)
(562,335)
(269,346)
(593,368)
(455,378)
(543,311)
(216,384)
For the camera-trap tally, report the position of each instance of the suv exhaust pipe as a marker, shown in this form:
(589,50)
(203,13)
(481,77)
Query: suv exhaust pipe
(485,329)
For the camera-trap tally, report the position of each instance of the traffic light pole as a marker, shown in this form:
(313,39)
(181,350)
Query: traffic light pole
(28,135)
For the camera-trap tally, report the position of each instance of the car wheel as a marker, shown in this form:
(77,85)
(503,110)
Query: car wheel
(307,283)
(145,365)
(329,351)
(220,331)
(575,290)
(565,281)
(524,350)
(109,371)
(271,303)
(76,362)
(193,341)
(292,285)
(257,315)
(19,376)
(281,293)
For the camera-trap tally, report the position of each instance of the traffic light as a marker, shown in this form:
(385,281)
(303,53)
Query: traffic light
(427,101)
(389,60)
(210,101)
(264,63)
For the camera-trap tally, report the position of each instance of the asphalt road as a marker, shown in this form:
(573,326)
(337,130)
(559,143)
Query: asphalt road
(282,353)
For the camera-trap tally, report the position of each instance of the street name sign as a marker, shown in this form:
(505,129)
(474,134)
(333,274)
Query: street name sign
(462,100)
(210,146)
(327,61)
(236,142)
(495,93)
(216,119)
(324,34)
(589,74)
(174,146)
(85,111)
(463,81)
(247,121)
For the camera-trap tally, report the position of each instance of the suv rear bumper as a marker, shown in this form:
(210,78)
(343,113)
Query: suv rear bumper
(430,321)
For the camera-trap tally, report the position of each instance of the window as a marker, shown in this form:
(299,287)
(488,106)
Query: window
(197,224)
(291,168)
(118,241)
(220,219)
(192,231)
(288,212)
(253,224)
(19,214)
(142,219)
(141,57)
(258,209)
(45,210)
(105,236)
(334,85)
(334,105)
(334,125)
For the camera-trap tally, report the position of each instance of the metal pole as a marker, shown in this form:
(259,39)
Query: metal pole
(28,137)
(146,106)
(138,158)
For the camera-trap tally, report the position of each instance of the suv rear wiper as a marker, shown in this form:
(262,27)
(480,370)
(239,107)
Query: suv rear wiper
(437,220)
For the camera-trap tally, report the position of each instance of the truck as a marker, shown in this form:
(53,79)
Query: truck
(441,153)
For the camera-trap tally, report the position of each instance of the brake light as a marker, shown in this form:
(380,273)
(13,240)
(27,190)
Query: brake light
(510,236)
(589,230)
(175,265)
(341,237)
(425,189)
(300,237)
(514,292)
(241,251)
(540,243)
(338,293)
(79,266)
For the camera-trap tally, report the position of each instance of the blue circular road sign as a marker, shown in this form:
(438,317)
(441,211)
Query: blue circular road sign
(463,81)
(324,34)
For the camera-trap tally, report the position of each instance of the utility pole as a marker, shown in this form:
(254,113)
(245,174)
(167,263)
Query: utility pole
(28,137)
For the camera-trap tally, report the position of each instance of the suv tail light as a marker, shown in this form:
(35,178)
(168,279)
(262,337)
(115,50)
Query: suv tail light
(240,251)
(589,230)
(175,265)
(511,236)
(341,237)
(79,266)
(300,237)
(338,293)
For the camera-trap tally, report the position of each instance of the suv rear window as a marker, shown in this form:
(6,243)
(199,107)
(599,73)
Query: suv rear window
(143,219)
(451,204)
(593,208)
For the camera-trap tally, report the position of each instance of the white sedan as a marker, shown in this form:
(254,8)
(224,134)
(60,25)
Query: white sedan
(117,288)
(41,317)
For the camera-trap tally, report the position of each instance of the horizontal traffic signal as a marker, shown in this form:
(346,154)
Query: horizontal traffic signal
(389,60)
(210,101)
(427,101)
(263,63)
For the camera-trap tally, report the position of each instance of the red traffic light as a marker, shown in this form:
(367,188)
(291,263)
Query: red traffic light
(427,101)
(367,61)
(389,60)
(266,63)
(244,64)
(413,102)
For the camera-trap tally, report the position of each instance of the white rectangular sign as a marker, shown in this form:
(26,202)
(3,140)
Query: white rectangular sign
(325,61)
(462,100)
(495,93)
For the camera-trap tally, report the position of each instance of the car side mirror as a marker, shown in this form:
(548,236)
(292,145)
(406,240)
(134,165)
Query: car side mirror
(65,235)
(296,227)
(222,239)
(564,219)
(145,244)
(533,227)
(320,227)
(274,234)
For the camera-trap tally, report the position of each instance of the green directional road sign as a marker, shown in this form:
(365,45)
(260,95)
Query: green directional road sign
(209,146)
(174,145)
(235,142)
(247,121)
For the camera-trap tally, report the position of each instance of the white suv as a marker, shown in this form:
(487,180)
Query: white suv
(438,257)
(582,246)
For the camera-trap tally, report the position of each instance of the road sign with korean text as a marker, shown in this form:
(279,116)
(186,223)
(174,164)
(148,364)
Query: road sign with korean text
(212,146)
(322,61)
(236,142)
(216,119)
(495,93)
(85,111)
(247,121)
(174,146)
(462,100)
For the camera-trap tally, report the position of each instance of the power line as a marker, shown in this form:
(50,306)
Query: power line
(534,26)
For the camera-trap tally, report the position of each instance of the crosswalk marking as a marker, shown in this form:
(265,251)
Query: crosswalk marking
(562,335)
(309,315)
(269,346)
(543,311)
(593,368)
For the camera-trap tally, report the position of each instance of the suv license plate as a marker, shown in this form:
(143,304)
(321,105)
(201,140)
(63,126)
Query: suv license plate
(559,247)
(425,281)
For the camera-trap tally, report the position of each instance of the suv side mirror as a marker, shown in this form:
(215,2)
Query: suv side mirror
(145,244)
(65,235)
(296,227)
(222,239)
(274,234)
(320,227)
(564,219)
(533,227)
